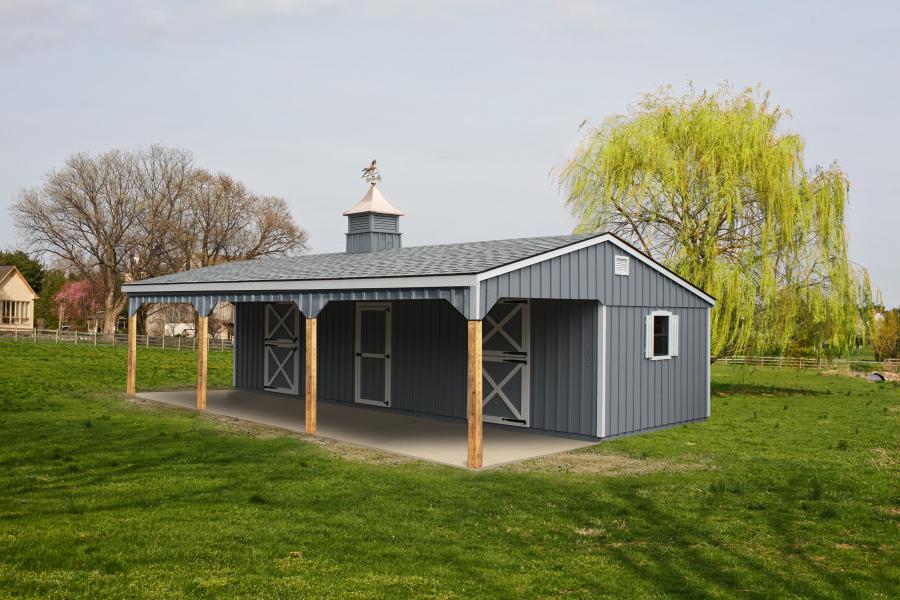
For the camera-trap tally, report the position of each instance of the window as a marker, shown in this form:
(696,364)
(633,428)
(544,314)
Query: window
(660,335)
(621,265)
(661,341)
(14,312)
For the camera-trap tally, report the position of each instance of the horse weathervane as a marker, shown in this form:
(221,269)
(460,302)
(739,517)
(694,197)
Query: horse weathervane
(371,174)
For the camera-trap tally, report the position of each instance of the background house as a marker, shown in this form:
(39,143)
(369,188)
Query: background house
(16,300)
(178,319)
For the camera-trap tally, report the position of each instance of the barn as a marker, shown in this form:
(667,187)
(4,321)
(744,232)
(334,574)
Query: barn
(572,335)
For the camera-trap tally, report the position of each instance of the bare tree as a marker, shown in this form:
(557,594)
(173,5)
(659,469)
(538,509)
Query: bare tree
(86,215)
(225,222)
(124,216)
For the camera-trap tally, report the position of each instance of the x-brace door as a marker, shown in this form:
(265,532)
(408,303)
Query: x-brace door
(506,350)
(281,359)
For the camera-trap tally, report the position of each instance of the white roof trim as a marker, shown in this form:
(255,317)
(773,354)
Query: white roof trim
(288,285)
(606,237)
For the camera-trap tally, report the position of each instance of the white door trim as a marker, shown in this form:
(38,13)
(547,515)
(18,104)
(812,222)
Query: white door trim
(384,307)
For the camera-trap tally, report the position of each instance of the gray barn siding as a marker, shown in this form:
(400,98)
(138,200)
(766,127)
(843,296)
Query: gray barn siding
(428,358)
(643,393)
(587,274)
(336,351)
(248,345)
(564,366)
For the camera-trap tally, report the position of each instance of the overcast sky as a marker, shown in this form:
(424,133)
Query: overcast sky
(467,105)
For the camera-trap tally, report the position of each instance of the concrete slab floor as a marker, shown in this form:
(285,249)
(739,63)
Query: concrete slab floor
(428,439)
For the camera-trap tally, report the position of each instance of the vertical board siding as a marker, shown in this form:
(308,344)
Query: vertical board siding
(562,277)
(428,358)
(564,366)
(248,345)
(371,241)
(337,350)
(643,393)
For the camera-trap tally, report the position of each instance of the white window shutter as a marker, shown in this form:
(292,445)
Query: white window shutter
(648,337)
(673,335)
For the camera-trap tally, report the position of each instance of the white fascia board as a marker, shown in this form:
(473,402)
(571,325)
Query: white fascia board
(606,237)
(323,285)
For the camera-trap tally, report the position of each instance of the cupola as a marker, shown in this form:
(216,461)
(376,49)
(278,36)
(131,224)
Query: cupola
(373,224)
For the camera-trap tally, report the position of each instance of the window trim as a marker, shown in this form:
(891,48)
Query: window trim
(648,334)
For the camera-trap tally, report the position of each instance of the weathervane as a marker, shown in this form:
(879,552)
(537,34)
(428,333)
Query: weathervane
(371,173)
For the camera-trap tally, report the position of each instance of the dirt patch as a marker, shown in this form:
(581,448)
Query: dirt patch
(353,453)
(886,459)
(591,462)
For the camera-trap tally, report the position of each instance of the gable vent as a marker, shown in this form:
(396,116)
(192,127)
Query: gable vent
(621,267)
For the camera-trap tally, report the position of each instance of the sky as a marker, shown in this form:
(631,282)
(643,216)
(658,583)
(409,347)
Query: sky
(468,106)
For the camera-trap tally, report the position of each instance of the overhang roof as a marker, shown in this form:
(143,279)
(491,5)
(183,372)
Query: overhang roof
(416,261)
(439,266)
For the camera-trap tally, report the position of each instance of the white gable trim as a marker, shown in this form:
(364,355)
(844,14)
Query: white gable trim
(18,274)
(606,237)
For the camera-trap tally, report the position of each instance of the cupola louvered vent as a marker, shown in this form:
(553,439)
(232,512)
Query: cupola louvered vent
(622,265)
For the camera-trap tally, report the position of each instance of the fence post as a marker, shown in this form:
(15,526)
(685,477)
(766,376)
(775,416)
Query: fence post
(194,342)
(147,340)
(164,341)
(16,336)
(34,333)
(76,337)
(57,335)
(114,338)
(223,344)
(179,343)
(95,337)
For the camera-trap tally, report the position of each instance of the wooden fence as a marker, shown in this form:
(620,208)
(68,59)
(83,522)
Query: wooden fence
(57,336)
(799,362)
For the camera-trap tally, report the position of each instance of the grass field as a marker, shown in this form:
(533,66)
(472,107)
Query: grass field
(790,490)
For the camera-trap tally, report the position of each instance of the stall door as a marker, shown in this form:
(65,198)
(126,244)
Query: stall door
(505,347)
(373,354)
(282,348)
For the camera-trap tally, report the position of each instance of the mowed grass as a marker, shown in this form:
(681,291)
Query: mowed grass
(790,490)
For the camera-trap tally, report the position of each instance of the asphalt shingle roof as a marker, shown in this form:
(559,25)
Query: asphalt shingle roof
(415,261)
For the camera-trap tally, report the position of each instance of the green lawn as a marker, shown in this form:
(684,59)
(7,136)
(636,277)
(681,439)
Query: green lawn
(790,490)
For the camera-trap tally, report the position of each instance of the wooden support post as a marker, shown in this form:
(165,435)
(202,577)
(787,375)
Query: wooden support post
(131,386)
(311,391)
(202,352)
(474,395)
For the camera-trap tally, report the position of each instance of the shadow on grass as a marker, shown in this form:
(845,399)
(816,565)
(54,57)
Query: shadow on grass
(754,389)
(708,561)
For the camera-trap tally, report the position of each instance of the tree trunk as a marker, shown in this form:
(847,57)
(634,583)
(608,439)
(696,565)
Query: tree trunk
(113,306)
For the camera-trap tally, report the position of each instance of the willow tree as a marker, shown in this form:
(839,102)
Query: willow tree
(710,185)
